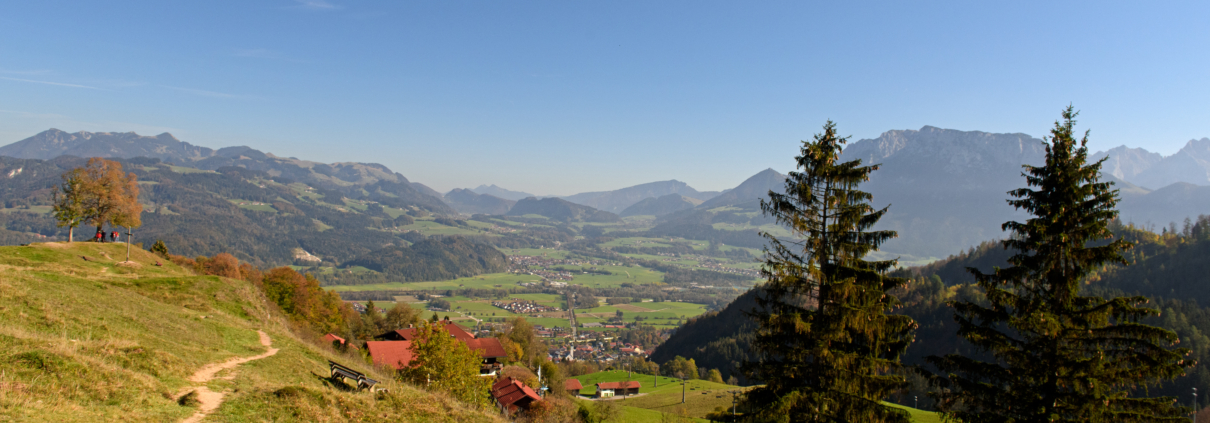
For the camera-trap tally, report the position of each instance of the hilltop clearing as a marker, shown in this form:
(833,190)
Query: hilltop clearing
(86,337)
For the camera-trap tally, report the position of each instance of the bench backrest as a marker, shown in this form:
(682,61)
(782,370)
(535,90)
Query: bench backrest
(343,371)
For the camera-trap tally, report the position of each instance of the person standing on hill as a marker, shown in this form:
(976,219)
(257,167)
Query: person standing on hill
(100,236)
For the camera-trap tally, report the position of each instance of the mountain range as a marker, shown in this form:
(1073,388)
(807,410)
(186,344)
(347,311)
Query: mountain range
(946,188)
(1191,164)
(377,180)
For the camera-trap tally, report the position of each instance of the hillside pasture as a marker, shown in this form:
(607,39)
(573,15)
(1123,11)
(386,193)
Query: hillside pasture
(97,340)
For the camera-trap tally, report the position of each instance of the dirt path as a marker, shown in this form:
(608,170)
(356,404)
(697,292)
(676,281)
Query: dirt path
(210,400)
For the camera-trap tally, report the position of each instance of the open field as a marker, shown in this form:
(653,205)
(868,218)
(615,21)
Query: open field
(549,253)
(251,205)
(642,415)
(428,226)
(919,416)
(488,280)
(638,242)
(31,209)
(659,315)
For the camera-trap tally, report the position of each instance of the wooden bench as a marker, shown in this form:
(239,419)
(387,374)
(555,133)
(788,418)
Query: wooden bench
(342,372)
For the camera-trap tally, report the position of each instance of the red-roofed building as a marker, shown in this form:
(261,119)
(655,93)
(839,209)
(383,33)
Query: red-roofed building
(491,352)
(391,353)
(410,333)
(330,338)
(512,395)
(573,387)
(609,389)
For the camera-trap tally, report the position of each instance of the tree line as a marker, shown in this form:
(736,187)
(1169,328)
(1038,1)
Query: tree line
(828,344)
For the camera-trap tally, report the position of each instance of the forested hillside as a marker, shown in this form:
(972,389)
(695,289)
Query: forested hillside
(717,340)
(264,219)
(560,210)
(659,206)
(470,202)
(434,260)
(1170,268)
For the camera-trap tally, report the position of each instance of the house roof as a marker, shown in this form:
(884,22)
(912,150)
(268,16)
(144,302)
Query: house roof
(634,384)
(330,337)
(572,384)
(410,333)
(392,353)
(487,347)
(512,393)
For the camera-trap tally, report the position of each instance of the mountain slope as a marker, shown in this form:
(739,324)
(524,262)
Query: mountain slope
(946,188)
(1190,165)
(1173,203)
(660,206)
(97,340)
(54,143)
(434,259)
(617,200)
(262,219)
(470,202)
(754,188)
(560,210)
(1126,163)
(718,340)
(371,180)
(498,192)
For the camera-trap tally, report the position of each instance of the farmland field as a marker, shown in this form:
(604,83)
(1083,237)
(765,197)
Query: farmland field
(488,280)
(701,396)
(427,227)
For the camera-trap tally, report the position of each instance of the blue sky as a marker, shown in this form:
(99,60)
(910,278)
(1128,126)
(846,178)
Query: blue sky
(563,97)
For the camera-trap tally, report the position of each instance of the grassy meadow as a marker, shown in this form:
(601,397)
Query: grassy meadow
(700,396)
(97,340)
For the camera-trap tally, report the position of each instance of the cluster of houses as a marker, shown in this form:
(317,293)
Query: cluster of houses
(394,348)
(540,266)
(523,306)
(604,351)
(512,396)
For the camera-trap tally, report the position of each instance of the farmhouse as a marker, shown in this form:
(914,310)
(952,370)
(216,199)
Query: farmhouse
(391,353)
(573,387)
(609,389)
(333,338)
(513,396)
(491,352)
(410,333)
(397,350)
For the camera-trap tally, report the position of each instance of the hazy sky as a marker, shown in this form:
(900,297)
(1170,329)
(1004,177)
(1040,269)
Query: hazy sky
(561,97)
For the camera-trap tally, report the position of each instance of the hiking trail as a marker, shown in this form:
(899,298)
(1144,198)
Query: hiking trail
(210,400)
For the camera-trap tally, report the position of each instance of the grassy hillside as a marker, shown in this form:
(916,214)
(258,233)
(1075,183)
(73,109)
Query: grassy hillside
(99,340)
(701,397)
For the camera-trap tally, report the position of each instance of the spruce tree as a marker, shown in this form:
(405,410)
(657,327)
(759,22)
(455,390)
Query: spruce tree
(827,349)
(1059,356)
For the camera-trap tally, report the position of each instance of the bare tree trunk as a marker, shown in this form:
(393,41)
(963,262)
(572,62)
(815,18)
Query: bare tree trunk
(70,229)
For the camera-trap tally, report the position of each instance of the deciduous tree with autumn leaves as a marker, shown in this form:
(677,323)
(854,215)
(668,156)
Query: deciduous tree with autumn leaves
(97,194)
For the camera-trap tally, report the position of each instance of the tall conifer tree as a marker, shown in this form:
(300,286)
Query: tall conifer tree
(827,347)
(1059,356)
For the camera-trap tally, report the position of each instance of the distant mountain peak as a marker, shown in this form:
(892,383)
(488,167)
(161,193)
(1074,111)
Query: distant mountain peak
(500,192)
(619,200)
(54,142)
